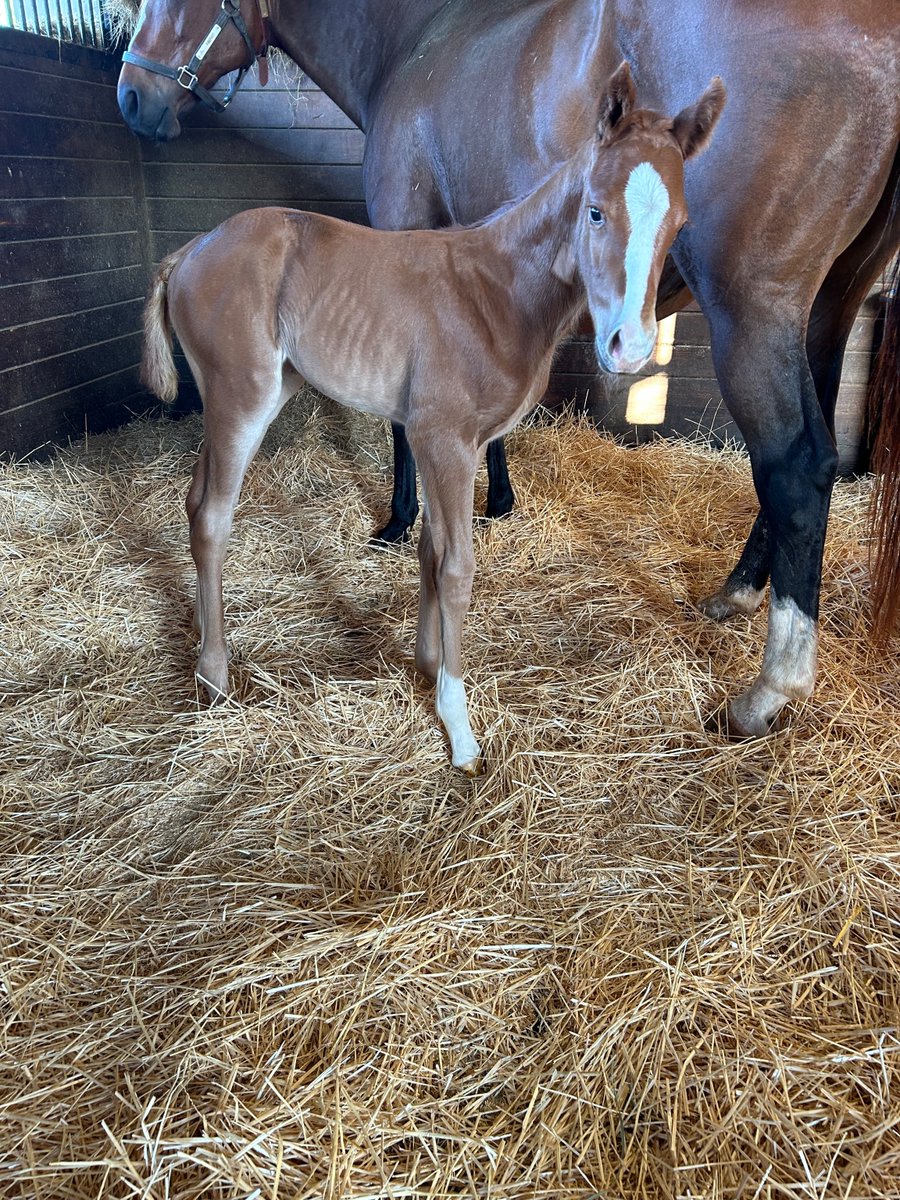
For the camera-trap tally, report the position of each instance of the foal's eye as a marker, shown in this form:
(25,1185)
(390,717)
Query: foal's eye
(596,215)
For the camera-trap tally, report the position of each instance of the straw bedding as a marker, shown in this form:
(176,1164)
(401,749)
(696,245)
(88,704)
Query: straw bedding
(281,949)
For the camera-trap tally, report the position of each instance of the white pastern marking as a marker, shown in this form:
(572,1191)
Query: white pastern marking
(646,202)
(451,708)
(789,662)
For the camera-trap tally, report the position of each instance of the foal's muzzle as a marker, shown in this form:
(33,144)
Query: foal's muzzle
(624,352)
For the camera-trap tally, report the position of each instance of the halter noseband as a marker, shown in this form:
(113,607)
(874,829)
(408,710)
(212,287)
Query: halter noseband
(186,76)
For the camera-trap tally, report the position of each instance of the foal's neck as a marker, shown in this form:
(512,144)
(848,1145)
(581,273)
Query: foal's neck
(525,242)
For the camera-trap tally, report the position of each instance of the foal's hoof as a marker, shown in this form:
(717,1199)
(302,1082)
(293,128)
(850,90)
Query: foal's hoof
(472,767)
(214,683)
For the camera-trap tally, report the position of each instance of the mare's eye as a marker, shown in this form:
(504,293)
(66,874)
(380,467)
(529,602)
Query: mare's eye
(596,216)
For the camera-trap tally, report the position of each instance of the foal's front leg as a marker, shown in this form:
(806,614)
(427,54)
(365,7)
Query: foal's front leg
(447,567)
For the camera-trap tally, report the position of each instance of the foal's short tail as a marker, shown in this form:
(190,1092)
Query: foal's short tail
(158,365)
(884,401)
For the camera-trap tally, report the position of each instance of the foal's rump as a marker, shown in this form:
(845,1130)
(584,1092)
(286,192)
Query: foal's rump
(218,293)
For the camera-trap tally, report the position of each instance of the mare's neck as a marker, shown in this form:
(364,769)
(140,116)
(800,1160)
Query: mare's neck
(525,249)
(346,47)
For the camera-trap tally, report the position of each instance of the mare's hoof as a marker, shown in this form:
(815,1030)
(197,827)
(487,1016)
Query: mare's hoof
(716,607)
(394,533)
(499,506)
(722,604)
(747,718)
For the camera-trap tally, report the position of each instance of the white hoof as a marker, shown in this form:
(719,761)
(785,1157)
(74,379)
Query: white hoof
(756,712)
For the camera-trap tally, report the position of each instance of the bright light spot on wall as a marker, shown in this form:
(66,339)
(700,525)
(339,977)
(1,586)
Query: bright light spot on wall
(647,400)
(665,341)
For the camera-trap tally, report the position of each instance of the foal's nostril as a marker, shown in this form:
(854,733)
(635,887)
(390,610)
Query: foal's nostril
(613,346)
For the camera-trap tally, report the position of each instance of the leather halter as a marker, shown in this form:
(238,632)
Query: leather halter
(187,76)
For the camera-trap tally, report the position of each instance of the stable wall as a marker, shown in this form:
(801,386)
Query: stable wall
(74,249)
(86,209)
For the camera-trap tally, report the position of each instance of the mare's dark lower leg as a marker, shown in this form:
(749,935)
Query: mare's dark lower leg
(404,502)
(762,366)
(831,320)
(500,496)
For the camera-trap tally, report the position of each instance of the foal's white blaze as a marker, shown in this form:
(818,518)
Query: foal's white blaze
(646,202)
(451,708)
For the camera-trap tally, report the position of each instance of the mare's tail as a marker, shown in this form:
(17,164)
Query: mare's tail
(157,364)
(884,400)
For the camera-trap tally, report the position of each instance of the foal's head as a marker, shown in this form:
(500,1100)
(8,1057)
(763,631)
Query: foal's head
(633,208)
(178,51)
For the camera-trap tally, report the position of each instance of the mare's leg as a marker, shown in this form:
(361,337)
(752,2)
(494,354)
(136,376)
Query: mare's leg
(845,288)
(762,366)
(500,496)
(404,502)
(447,564)
(237,413)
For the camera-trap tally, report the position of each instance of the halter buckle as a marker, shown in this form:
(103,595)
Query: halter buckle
(187,78)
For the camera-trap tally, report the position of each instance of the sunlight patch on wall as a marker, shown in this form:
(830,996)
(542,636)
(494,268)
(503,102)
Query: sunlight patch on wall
(665,341)
(647,400)
(647,397)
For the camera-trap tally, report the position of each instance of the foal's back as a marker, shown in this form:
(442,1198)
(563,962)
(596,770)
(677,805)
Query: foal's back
(366,316)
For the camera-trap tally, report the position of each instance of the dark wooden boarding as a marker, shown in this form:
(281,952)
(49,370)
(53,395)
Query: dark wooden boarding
(86,209)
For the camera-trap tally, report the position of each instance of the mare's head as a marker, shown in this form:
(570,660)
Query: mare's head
(632,209)
(178,51)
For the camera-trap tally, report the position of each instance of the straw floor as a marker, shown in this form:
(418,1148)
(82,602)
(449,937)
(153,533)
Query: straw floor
(280,949)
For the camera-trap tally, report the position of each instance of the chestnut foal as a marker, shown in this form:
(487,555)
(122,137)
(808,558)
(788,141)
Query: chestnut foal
(448,332)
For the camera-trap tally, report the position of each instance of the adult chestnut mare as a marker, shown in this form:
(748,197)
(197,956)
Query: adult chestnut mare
(451,333)
(794,211)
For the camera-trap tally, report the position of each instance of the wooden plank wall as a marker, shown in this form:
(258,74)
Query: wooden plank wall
(283,144)
(74,246)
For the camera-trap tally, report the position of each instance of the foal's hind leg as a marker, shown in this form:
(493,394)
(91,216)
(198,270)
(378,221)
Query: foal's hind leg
(237,414)
(447,566)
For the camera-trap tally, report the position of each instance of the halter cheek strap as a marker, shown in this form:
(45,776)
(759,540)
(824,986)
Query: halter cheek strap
(187,76)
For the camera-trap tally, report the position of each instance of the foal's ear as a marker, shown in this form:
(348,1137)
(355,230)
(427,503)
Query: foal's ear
(694,125)
(618,99)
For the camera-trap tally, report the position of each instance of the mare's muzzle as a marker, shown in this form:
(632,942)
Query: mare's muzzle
(151,111)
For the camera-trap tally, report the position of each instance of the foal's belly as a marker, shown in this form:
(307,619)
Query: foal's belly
(359,372)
